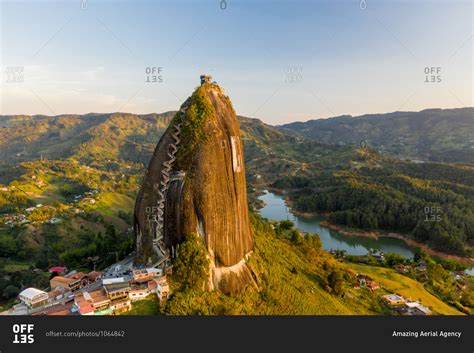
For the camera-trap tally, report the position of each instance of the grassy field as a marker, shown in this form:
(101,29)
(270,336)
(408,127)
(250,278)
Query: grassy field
(17,266)
(110,203)
(52,191)
(394,282)
(147,306)
(109,206)
(289,283)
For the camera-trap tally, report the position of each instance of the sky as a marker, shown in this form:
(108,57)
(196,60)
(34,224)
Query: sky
(279,61)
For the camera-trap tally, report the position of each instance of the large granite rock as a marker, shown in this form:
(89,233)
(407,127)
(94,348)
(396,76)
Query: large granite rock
(195,182)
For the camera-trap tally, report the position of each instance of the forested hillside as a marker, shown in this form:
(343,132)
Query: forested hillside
(432,203)
(440,135)
(360,187)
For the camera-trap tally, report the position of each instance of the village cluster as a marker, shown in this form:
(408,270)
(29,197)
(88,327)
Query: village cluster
(27,216)
(397,303)
(93,293)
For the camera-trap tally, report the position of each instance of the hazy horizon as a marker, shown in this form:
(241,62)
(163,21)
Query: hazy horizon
(241,115)
(278,61)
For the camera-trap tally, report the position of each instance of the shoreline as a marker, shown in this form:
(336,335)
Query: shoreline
(290,204)
(369,234)
(376,235)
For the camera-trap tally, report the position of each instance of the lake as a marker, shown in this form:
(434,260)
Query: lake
(276,210)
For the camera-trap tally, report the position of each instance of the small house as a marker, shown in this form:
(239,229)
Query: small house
(393,299)
(33,297)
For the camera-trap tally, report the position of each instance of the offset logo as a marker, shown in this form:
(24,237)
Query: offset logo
(23,333)
(154,74)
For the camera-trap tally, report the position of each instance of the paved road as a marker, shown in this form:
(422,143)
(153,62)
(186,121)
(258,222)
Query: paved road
(125,265)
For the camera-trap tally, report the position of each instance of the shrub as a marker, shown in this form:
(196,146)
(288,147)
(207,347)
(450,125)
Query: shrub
(286,225)
(393,259)
(296,237)
(314,241)
(10,292)
(190,268)
(336,281)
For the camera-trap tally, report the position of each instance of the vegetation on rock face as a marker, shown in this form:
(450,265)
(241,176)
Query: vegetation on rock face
(192,133)
(191,267)
(229,103)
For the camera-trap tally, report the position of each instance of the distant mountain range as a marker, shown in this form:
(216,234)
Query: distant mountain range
(86,137)
(440,135)
(318,163)
(91,138)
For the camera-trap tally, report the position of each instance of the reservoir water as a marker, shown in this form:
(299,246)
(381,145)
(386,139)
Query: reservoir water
(275,209)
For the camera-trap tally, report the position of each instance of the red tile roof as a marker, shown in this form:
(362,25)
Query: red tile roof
(86,309)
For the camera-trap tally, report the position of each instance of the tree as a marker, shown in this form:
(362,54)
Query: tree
(53,274)
(313,240)
(336,281)
(111,238)
(296,237)
(10,292)
(420,254)
(7,246)
(286,225)
(467,299)
(191,266)
(393,259)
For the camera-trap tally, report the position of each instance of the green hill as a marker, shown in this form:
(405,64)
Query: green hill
(318,176)
(441,135)
(396,283)
(53,160)
(290,280)
(87,137)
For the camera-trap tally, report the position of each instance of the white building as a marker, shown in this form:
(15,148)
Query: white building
(138,294)
(107,281)
(33,297)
